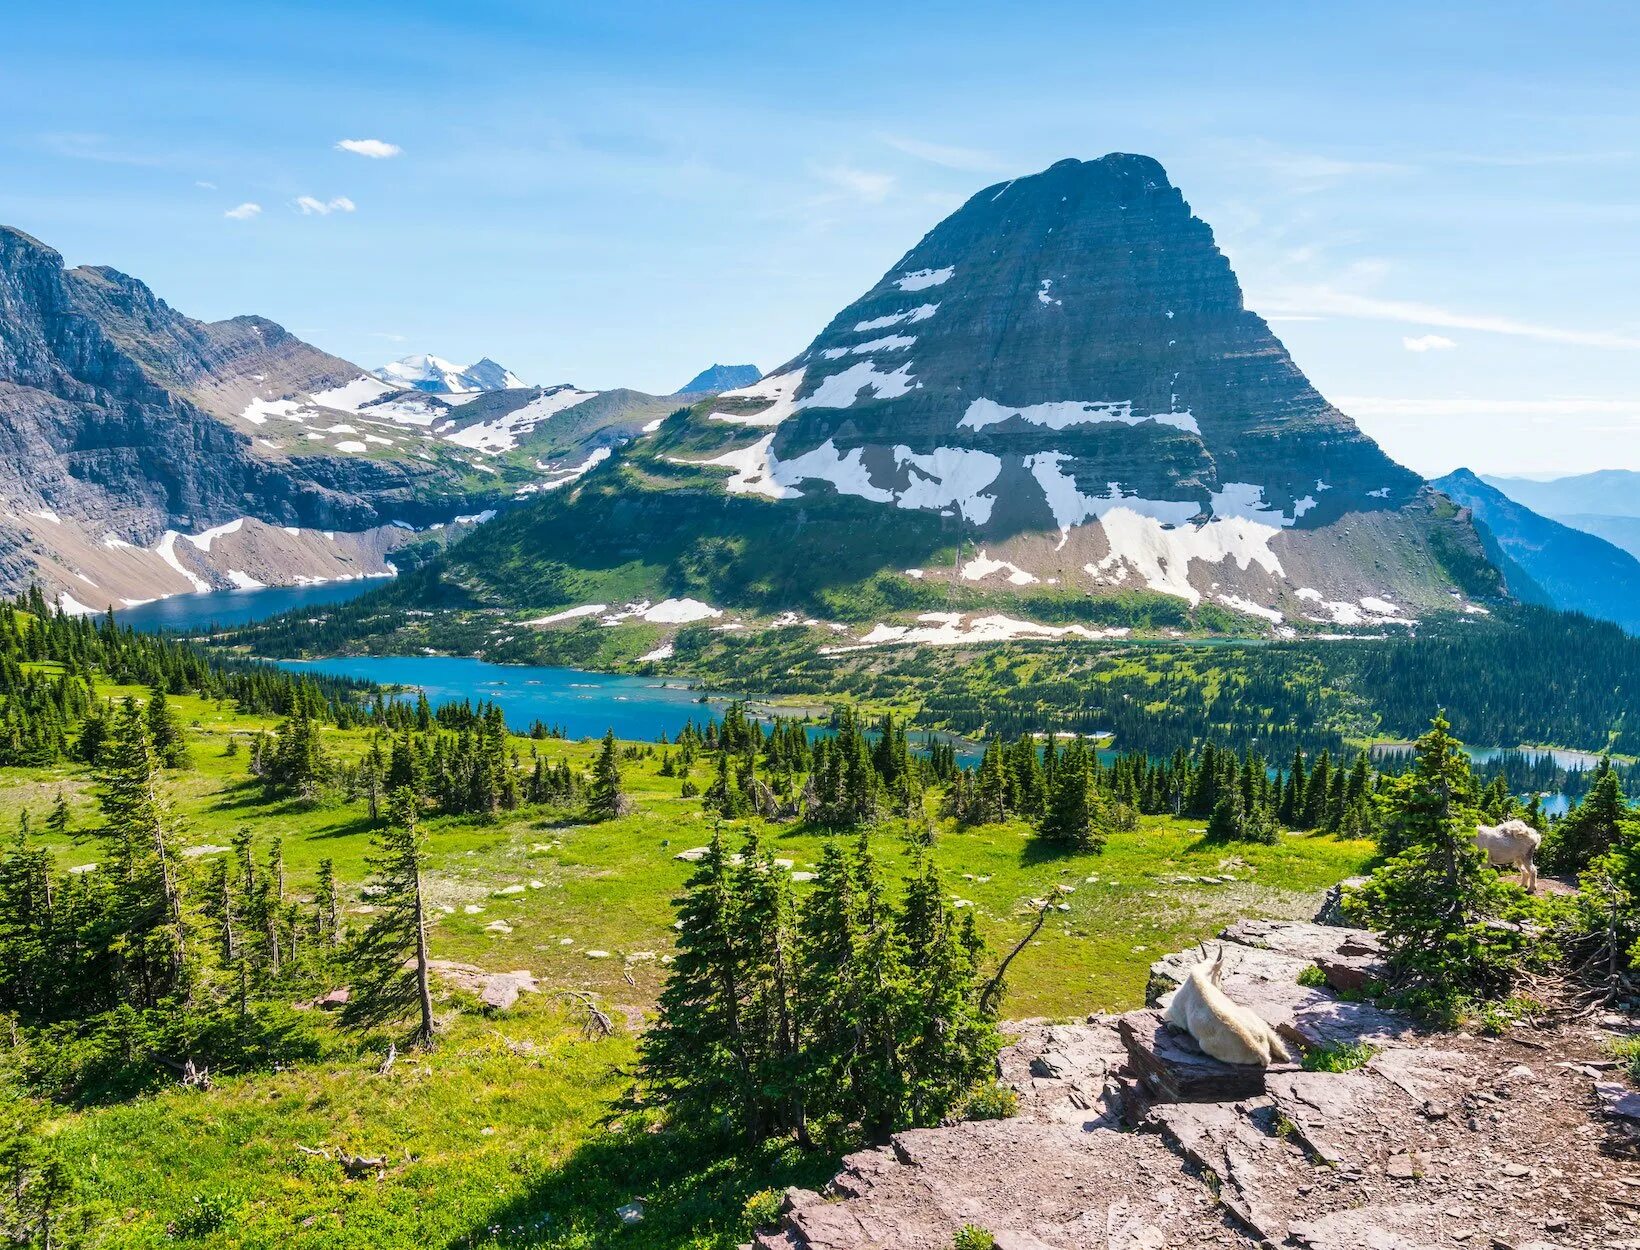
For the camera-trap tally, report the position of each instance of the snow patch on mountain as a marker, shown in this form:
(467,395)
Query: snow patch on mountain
(922,279)
(982,566)
(1160,555)
(841,390)
(949,629)
(502,434)
(352,396)
(1061,414)
(778,390)
(890,343)
(909,317)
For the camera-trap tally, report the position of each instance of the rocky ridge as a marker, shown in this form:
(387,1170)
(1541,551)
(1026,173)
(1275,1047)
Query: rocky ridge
(1129,1138)
(144,453)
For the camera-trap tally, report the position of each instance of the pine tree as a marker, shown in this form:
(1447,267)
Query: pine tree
(946,1042)
(327,907)
(1075,816)
(1436,901)
(152,922)
(695,1057)
(59,821)
(606,800)
(1592,828)
(385,988)
(169,746)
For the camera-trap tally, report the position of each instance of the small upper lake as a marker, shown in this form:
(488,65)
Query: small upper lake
(191,613)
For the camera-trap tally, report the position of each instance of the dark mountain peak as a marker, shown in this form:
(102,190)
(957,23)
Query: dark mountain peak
(718,378)
(1064,344)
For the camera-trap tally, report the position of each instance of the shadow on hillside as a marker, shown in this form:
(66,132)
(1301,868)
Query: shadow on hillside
(689,1187)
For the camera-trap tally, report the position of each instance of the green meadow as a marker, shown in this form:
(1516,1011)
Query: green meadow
(514,1129)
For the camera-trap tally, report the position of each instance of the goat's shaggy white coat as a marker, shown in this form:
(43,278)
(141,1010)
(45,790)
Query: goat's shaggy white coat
(1513,844)
(1222,1027)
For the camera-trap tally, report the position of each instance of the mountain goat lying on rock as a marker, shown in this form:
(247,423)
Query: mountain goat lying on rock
(1222,1027)
(1513,844)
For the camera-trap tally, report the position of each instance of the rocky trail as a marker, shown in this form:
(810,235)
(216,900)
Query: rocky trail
(1129,1138)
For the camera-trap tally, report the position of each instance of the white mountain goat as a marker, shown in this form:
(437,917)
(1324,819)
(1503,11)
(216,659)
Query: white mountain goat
(1222,1027)
(1513,844)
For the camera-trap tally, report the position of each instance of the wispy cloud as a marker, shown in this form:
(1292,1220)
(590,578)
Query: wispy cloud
(244,212)
(861,184)
(971,160)
(1469,406)
(376,149)
(1428,343)
(384,334)
(205,186)
(1526,160)
(310,207)
(1311,171)
(1326,301)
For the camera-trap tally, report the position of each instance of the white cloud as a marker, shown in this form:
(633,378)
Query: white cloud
(945,155)
(376,149)
(861,183)
(1468,406)
(1325,301)
(308,206)
(243,212)
(1428,343)
(206,186)
(1309,171)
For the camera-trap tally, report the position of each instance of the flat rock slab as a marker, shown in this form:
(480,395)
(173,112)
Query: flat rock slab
(1173,1068)
(1328,1109)
(1033,1187)
(1301,939)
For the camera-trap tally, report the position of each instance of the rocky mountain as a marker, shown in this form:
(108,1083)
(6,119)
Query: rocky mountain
(1562,566)
(144,453)
(1058,393)
(438,376)
(720,378)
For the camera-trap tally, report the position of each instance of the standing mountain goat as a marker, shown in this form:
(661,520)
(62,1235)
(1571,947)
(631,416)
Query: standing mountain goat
(1513,844)
(1221,1026)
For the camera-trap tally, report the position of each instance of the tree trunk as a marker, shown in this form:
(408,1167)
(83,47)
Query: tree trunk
(424,1034)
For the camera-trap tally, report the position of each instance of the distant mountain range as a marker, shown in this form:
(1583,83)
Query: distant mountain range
(143,453)
(1548,562)
(720,378)
(438,376)
(1057,397)
(1606,502)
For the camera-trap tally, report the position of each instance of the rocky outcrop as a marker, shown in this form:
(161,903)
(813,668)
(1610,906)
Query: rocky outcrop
(1127,1136)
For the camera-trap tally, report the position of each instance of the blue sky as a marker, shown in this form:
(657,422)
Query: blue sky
(1436,204)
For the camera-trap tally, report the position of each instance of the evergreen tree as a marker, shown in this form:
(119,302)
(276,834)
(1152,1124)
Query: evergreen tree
(606,800)
(1436,902)
(1075,816)
(695,1057)
(1592,828)
(164,731)
(390,960)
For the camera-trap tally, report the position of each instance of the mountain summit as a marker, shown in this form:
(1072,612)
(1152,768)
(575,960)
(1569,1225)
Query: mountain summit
(720,378)
(1057,393)
(1065,346)
(434,374)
